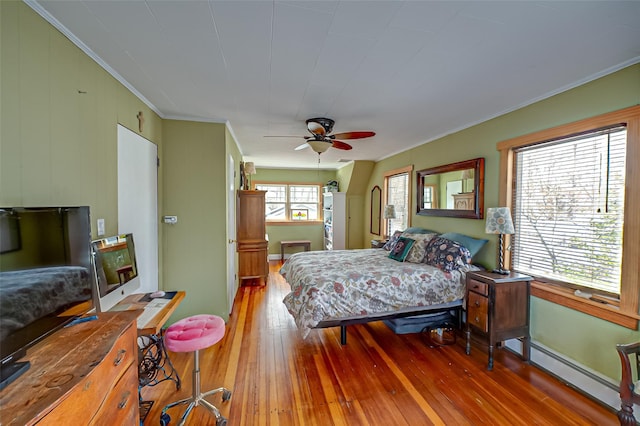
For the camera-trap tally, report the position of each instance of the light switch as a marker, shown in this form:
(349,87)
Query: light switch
(100,227)
(171,220)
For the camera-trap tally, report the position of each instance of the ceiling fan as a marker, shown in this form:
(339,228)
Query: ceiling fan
(321,138)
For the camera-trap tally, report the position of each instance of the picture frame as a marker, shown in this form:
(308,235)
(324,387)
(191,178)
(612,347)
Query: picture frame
(300,214)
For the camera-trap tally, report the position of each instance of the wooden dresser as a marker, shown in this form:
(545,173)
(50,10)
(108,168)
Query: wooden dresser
(85,374)
(251,235)
(464,201)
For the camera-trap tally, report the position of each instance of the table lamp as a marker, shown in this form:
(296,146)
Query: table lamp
(499,222)
(389,213)
(249,169)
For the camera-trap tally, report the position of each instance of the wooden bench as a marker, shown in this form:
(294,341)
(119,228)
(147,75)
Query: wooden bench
(294,243)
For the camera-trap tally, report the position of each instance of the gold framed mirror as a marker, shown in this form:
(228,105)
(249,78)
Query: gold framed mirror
(376,209)
(452,190)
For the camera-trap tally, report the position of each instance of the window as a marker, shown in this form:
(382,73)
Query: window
(397,189)
(569,210)
(291,202)
(429,197)
(573,193)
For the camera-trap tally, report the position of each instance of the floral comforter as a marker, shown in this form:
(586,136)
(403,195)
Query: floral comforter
(328,285)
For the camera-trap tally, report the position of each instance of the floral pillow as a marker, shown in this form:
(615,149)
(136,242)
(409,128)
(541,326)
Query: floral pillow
(446,254)
(419,248)
(392,241)
(401,249)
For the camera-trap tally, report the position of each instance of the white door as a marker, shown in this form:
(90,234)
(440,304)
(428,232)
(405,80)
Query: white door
(231,226)
(138,202)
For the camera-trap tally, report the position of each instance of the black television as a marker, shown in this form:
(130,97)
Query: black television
(46,278)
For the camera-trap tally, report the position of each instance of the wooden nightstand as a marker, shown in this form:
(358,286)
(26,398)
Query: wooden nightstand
(498,309)
(378,243)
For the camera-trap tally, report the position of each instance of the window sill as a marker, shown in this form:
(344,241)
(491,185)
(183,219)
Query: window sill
(565,297)
(293,222)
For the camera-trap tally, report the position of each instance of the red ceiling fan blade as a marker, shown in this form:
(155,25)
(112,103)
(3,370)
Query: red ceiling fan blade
(354,135)
(341,145)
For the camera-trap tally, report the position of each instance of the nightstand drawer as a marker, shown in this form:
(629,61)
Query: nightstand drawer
(478,287)
(477,311)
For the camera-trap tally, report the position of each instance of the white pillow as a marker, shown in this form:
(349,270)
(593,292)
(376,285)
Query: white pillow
(419,248)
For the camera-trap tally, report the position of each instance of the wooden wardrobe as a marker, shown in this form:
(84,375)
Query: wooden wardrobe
(251,235)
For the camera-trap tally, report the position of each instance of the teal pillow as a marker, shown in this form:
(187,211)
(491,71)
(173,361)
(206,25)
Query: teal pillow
(417,230)
(402,248)
(472,244)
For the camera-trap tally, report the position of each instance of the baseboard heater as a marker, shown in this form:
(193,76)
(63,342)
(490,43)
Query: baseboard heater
(582,378)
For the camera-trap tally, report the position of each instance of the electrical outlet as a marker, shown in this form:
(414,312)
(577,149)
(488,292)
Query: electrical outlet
(100,227)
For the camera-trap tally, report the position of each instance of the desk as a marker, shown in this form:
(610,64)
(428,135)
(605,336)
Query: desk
(306,244)
(154,363)
(134,301)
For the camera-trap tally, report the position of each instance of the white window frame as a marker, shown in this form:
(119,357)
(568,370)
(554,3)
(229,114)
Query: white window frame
(287,203)
(624,313)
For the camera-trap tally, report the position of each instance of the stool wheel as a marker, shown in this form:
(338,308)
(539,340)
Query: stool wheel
(226,395)
(164,419)
(221,421)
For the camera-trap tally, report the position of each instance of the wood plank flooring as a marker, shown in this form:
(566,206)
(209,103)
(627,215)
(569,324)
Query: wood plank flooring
(378,378)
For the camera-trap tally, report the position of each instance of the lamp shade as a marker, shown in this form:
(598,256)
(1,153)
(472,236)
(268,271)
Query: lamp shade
(467,174)
(499,221)
(250,168)
(389,211)
(319,146)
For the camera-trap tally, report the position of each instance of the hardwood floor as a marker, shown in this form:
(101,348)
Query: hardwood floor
(378,378)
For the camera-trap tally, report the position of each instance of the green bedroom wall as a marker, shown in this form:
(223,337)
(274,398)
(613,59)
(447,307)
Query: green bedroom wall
(586,339)
(283,232)
(59,146)
(195,249)
(353,179)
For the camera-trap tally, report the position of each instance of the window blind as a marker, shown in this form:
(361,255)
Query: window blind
(568,209)
(398,196)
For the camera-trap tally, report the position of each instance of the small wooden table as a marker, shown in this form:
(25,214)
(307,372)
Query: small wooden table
(294,243)
(498,309)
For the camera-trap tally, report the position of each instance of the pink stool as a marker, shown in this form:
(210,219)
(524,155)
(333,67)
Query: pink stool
(190,335)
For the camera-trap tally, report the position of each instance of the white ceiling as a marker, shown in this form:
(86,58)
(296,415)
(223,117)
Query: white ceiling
(411,71)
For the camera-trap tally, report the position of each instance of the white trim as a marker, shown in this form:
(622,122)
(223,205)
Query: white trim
(597,386)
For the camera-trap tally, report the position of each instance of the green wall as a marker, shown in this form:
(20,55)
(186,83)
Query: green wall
(283,232)
(353,179)
(59,146)
(195,249)
(584,338)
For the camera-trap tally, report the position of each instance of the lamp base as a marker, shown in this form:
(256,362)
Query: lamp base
(501,271)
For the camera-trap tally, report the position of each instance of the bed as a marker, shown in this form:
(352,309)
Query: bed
(344,287)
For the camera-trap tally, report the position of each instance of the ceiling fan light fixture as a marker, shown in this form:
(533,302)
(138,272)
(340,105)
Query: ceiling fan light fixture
(320,126)
(319,146)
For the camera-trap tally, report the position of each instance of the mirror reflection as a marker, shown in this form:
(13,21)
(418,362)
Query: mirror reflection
(376,208)
(115,262)
(454,190)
